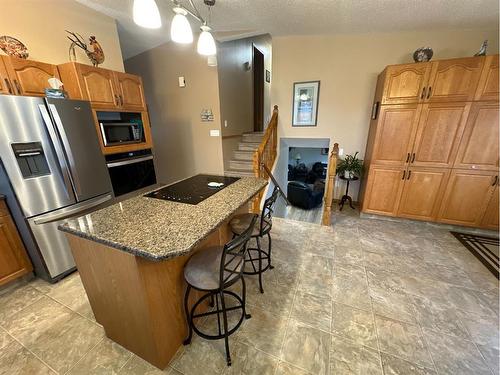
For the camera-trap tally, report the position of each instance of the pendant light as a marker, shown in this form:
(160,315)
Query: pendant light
(206,42)
(180,31)
(146,14)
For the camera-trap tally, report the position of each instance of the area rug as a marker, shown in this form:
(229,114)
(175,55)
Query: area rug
(484,248)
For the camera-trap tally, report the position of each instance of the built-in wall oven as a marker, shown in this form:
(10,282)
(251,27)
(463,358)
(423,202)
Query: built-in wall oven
(120,128)
(131,171)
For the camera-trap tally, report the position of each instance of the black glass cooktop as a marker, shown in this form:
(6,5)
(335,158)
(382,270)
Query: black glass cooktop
(194,189)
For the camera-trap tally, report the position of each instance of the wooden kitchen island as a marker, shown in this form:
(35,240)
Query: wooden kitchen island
(131,257)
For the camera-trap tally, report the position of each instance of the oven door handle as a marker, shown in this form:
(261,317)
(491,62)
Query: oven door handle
(129,161)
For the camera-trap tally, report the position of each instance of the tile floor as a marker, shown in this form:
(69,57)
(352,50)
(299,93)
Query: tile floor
(364,297)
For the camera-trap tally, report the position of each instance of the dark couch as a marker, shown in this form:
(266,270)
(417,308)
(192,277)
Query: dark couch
(302,195)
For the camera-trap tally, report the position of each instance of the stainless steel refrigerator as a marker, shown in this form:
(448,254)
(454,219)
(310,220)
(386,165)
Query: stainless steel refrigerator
(53,168)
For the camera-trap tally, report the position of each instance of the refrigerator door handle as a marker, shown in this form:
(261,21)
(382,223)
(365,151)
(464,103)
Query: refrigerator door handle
(67,148)
(70,211)
(58,149)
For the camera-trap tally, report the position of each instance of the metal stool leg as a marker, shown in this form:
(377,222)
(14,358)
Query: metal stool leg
(226,336)
(244,293)
(269,248)
(187,341)
(260,264)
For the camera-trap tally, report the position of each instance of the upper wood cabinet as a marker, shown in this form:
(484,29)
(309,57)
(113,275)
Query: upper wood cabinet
(422,192)
(27,77)
(479,145)
(451,80)
(440,129)
(490,218)
(467,196)
(404,83)
(487,88)
(454,80)
(130,91)
(394,134)
(383,190)
(104,88)
(14,261)
(5,85)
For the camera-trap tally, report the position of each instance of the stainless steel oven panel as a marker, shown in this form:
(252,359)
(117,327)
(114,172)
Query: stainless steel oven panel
(21,122)
(128,161)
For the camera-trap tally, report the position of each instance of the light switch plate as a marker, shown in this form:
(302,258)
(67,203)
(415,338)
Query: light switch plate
(214,132)
(182,82)
(341,152)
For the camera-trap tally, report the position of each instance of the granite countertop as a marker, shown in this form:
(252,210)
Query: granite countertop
(158,229)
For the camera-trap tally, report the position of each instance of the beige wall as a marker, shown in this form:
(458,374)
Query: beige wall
(347,66)
(182,142)
(40,25)
(236,83)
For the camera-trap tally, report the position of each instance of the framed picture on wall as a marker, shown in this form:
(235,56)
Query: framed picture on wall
(305,103)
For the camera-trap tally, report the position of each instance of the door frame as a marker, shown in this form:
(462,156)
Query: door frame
(258,77)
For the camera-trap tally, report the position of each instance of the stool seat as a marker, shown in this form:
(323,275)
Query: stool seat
(239,223)
(202,271)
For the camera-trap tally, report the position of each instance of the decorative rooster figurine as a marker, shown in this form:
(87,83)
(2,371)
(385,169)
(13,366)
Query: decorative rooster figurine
(96,56)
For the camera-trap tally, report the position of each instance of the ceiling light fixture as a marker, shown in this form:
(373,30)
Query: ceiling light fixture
(180,30)
(206,42)
(146,14)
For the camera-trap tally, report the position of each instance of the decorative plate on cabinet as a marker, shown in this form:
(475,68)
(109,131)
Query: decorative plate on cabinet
(13,47)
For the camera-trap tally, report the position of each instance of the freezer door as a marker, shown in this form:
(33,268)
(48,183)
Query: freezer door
(28,151)
(52,243)
(75,126)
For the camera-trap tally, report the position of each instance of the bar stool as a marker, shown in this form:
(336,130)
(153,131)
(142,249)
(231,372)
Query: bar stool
(256,254)
(213,271)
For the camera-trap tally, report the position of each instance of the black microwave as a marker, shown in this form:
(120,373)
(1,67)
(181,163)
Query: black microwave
(120,128)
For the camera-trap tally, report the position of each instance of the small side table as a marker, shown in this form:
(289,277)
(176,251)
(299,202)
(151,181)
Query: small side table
(346,196)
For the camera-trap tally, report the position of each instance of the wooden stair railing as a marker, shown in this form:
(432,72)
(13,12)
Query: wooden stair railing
(330,185)
(265,155)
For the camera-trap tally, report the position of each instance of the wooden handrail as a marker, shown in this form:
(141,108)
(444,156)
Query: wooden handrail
(330,185)
(265,155)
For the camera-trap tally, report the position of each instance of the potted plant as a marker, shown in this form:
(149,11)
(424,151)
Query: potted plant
(350,166)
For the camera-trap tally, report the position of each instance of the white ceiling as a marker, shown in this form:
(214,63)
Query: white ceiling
(237,18)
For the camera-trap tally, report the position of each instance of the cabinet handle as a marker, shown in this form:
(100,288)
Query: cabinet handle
(495,180)
(407,157)
(121,100)
(117,101)
(404,174)
(423,93)
(9,87)
(429,92)
(409,174)
(18,87)
(413,158)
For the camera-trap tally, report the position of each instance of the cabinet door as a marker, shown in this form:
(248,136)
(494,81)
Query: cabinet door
(396,128)
(13,259)
(405,83)
(466,197)
(479,145)
(490,219)
(383,190)
(487,89)
(98,85)
(29,77)
(454,80)
(440,129)
(422,192)
(5,84)
(130,91)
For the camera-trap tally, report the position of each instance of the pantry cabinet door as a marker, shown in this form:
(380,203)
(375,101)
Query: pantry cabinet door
(487,88)
(454,80)
(439,132)
(395,134)
(405,83)
(490,219)
(479,146)
(422,192)
(383,190)
(467,196)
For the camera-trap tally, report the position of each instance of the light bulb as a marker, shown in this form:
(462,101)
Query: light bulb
(146,14)
(206,42)
(180,31)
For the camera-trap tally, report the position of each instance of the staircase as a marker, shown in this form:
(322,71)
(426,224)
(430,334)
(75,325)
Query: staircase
(241,165)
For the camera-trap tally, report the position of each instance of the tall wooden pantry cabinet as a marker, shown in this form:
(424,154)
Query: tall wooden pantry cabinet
(432,151)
